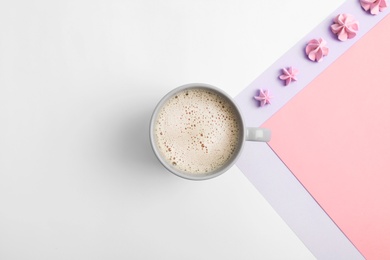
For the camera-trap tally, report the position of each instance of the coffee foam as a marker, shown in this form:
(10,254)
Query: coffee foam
(197,131)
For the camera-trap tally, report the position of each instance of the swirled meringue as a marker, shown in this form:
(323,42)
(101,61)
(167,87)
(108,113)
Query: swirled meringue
(374,6)
(345,26)
(288,75)
(316,49)
(264,97)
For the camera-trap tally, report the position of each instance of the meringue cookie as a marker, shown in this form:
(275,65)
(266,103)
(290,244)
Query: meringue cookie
(316,50)
(374,6)
(264,97)
(345,26)
(289,75)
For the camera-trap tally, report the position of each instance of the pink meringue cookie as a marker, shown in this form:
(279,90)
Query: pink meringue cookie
(289,75)
(264,97)
(345,26)
(374,6)
(316,49)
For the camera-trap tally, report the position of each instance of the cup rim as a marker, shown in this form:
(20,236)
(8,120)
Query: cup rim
(184,174)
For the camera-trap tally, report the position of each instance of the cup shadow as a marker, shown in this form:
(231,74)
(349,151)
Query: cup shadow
(132,146)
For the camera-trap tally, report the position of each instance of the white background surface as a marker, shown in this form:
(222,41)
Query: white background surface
(78,83)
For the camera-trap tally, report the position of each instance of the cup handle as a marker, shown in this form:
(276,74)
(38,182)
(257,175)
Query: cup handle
(257,134)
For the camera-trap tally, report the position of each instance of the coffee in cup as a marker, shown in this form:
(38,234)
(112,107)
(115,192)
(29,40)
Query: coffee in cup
(197,131)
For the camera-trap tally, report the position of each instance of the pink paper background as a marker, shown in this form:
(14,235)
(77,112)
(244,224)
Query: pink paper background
(335,137)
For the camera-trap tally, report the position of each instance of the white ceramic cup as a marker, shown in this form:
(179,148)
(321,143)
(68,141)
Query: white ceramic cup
(245,134)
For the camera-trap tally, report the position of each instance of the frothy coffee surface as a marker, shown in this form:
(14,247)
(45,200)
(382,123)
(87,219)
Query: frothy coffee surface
(197,130)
